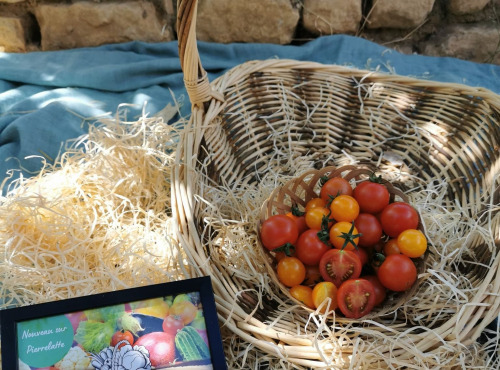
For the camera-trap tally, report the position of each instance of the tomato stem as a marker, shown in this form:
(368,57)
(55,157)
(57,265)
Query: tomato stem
(287,248)
(378,258)
(349,237)
(296,211)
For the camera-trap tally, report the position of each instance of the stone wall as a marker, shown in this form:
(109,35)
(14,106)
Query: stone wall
(466,29)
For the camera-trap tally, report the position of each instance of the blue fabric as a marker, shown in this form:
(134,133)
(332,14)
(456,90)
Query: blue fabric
(45,97)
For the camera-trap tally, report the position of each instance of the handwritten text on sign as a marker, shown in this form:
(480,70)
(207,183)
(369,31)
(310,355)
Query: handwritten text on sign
(44,342)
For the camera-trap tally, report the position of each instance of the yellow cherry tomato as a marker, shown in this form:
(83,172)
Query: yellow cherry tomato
(315,203)
(344,208)
(322,291)
(412,243)
(291,271)
(303,294)
(341,229)
(314,217)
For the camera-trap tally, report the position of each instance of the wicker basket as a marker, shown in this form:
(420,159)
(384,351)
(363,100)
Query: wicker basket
(265,121)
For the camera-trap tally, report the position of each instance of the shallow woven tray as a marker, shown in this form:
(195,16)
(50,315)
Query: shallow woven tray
(297,192)
(427,132)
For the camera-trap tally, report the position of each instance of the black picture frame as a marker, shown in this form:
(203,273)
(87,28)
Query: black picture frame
(11,318)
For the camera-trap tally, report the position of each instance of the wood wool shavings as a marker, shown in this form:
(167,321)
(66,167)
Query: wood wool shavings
(97,220)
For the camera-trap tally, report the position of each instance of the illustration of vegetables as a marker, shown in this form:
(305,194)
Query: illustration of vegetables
(96,333)
(161,347)
(75,359)
(122,357)
(191,345)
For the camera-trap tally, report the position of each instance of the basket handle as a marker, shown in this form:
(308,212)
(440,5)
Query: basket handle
(195,77)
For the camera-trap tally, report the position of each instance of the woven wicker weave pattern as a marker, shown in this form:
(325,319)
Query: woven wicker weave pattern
(264,117)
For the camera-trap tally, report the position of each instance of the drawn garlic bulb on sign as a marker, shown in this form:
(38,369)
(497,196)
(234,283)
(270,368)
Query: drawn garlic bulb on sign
(122,357)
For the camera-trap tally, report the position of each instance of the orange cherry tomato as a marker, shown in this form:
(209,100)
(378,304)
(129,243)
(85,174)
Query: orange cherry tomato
(412,243)
(303,294)
(344,208)
(339,229)
(291,271)
(322,291)
(315,203)
(314,217)
(391,247)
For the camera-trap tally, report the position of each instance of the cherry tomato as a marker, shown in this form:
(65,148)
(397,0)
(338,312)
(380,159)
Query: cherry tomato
(299,220)
(314,217)
(315,203)
(398,217)
(412,243)
(291,271)
(397,273)
(122,335)
(370,229)
(391,247)
(339,265)
(303,294)
(380,290)
(371,196)
(172,324)
(362,254)
(310,248)
(334,187)
(356,298)
(277,231)
(313,276)
(339,229)
(322,291)
(344,208)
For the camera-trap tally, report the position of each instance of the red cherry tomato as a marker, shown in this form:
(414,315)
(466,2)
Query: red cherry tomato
(338,265)
(371,196)
(397,273)
(362,254)
(277,231)
(334,187)
(313,276)
(356,298)
(380,290)
(398,217)
(391,247)
(299,220)
(309,248)
(370,229)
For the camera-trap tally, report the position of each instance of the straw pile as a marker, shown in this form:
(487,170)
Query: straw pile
(97,220)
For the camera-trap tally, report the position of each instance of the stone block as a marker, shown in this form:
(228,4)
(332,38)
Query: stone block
(327,17)
(477,43)
(398,13)
(264,21)
(66,26)
(12,35)
(460,7)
